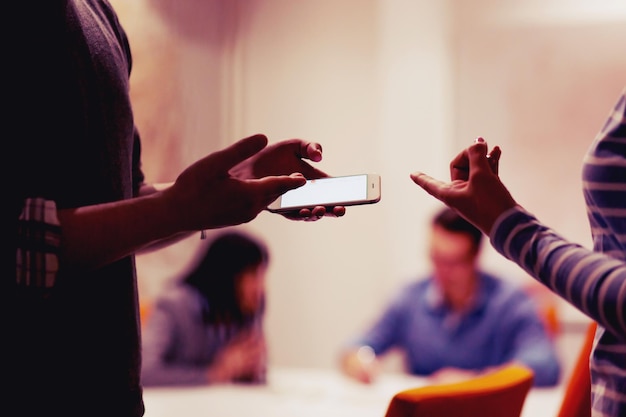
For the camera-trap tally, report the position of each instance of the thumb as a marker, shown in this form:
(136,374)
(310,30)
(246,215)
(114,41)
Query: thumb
(272,187)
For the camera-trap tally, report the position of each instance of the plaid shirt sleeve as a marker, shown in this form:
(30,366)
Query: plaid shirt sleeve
(38,241)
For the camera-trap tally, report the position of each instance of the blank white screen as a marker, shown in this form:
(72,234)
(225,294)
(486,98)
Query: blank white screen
(327,190)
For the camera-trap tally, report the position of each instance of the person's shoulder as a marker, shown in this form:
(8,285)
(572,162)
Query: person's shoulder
(178,294)
(416,285)
(106,14)
(511,302)
(504,289)
(410,291)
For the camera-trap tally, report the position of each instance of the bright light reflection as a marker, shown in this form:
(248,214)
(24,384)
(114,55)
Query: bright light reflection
(565,12)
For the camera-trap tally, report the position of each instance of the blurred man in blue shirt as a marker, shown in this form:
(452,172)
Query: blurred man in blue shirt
(459,321)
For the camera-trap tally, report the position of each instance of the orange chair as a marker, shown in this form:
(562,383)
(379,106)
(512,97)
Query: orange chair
(577,397)
(500,393)
(547,303)
(145,308)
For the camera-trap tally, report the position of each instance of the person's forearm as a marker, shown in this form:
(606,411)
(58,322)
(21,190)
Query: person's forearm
(546,369)
(360,364)
(535,351)
(584,278)
(149,189)
(162,375)
(93,236)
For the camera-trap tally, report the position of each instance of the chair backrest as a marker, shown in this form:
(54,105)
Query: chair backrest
(145,308)
(577,397)
(547,304)
(500,393)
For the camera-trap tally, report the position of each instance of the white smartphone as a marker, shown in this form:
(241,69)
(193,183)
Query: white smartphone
(349,190)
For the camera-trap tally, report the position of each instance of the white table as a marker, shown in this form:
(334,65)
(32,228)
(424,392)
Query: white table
(304,393)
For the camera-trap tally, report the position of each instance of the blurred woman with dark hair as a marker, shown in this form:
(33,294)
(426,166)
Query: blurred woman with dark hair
(208,328)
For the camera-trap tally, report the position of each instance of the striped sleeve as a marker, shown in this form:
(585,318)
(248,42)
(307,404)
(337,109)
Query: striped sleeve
(595,283)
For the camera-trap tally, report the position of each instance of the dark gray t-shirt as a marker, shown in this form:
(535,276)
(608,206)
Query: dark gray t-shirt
(73,349)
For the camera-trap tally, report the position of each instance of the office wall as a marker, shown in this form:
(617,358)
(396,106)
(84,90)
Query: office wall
(539,79)
(370,80)
(180,93)
(387,86)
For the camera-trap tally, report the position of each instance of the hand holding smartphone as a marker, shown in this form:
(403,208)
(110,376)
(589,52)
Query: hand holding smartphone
(349,190)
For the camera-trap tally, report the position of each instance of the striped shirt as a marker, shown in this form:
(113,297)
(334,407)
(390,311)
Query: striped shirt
(593,281)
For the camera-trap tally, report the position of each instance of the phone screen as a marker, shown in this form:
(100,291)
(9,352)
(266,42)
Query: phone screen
(326,191)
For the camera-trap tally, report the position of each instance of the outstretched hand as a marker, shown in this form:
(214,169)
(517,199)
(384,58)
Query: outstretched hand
(475,190)
(207,195)
(243,358)
(284,158)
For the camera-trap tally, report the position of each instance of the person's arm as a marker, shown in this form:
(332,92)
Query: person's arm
(243,359)
(160,342)
(451,375)
(360,358)
(149,189)
(175,332)
(205,196)
(526,343)
(589,280)
(360,363)
(529,343)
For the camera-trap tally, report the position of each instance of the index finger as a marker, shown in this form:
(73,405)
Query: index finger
(241,150)
(432,186)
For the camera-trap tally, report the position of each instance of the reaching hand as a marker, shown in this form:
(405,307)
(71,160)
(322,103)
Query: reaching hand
(361,364)
(475,190)
(206,195)
(285,158)
(242,359)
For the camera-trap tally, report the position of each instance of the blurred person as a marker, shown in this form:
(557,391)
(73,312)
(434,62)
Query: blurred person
(208,328)
(457,322)
(593,281)
(79,208)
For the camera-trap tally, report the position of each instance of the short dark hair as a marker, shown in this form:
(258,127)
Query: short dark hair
(451,221)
